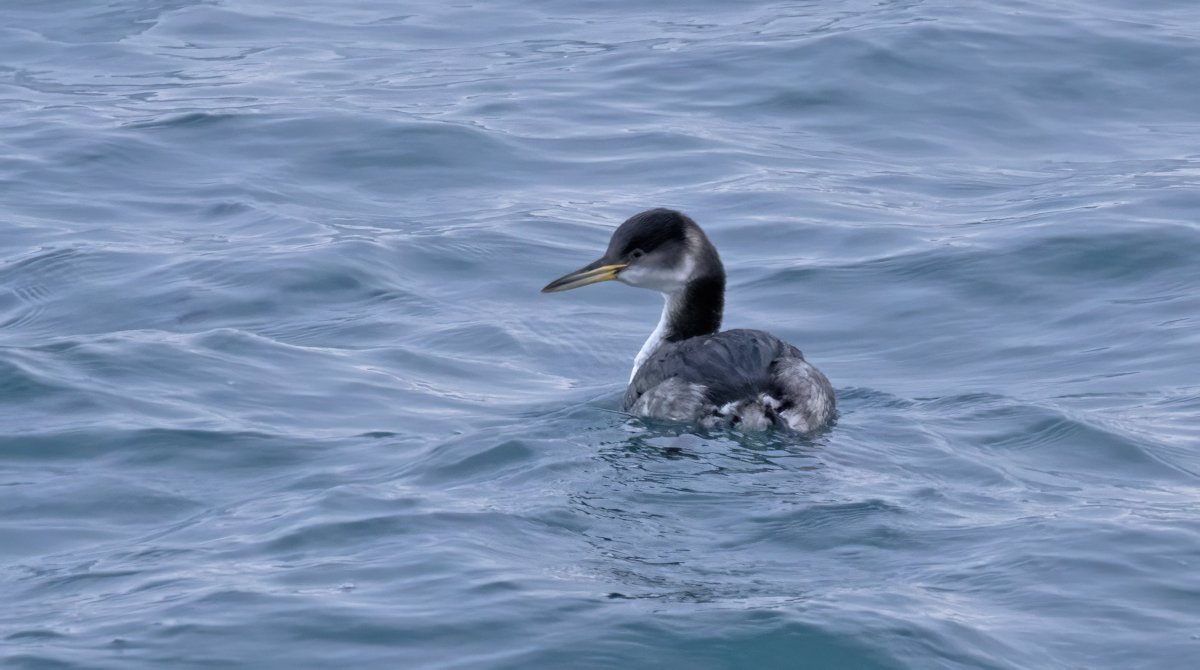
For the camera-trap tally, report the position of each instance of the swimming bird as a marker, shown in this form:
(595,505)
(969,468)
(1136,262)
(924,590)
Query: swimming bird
(689,370)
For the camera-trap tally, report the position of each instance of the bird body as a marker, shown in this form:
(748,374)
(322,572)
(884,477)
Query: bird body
(689,370)
(744,378)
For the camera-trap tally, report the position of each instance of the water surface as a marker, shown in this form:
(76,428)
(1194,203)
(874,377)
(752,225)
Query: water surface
(278,389)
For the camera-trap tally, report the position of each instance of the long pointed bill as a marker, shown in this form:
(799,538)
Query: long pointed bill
(588,274)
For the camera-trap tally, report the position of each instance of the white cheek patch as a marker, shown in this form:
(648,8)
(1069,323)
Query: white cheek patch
(665,280)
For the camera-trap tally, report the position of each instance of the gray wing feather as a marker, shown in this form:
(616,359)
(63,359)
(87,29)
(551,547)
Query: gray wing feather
(808,400)
(673,399)
(686,380)
(730,364)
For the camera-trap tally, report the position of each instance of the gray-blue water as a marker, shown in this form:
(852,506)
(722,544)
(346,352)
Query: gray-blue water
(278,389)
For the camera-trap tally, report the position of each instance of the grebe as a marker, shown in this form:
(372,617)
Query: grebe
(689,370)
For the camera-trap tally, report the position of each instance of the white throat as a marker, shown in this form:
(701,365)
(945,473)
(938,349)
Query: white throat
(671,283)
(656,338)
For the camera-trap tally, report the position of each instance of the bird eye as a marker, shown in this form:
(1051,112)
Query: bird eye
(636,254)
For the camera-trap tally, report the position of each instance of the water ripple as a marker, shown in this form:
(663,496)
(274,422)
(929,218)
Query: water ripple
(279,388)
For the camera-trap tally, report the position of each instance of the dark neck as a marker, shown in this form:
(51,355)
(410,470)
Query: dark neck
(697,309)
